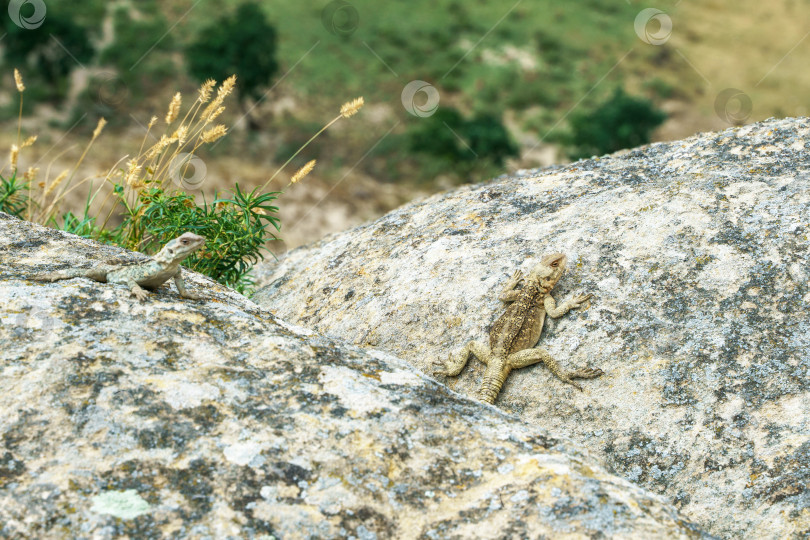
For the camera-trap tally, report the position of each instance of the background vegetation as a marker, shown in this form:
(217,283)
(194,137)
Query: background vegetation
(520,83)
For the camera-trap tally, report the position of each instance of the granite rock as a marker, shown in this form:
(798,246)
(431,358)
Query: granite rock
(696,252)
(173,418)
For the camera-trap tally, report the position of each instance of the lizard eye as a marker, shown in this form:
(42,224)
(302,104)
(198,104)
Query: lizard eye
(555,264)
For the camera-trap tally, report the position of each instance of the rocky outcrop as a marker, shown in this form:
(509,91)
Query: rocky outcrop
(175,418)
(696,252)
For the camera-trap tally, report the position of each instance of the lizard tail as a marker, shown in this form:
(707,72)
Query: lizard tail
(490,387)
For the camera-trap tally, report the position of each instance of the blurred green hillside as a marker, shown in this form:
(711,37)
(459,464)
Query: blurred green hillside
(518,82)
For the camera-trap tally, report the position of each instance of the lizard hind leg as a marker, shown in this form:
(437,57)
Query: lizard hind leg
(457,360)
(528,357)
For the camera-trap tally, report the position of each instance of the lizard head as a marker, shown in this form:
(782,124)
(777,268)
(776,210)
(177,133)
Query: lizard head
(550,269)
(181,247)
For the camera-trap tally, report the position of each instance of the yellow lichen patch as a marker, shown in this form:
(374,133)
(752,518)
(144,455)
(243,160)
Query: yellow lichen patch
(475,218)
(185,316)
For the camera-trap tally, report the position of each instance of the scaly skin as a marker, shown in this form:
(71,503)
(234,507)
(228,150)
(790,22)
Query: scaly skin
(148,275)
(516,332)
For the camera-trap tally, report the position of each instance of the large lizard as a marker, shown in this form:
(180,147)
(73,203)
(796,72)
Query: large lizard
(514,335)
(151,274)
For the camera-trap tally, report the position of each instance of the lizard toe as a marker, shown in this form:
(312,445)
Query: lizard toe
(139,294)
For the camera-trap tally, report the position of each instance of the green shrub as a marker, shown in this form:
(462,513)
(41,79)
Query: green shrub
(44,51)
(456,144)
(140,67)
(13,195)
(146,199)
(244,44)
(622,121)
(436,136)
(489,139)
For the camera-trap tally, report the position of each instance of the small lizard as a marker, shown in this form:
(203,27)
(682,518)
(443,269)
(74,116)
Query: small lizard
(514,335)
(151,274)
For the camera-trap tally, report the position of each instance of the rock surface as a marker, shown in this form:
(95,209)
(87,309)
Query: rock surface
(213,419)
(696,252)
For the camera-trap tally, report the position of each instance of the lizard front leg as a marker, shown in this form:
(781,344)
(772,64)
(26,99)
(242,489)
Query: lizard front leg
(528,357)
(181,287)
(509,294)
(555,311)
(456,361)
(136,290)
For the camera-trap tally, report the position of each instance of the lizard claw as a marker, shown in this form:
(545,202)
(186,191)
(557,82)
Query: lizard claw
(577,301)
(439,368)
(572,383)
(139,293)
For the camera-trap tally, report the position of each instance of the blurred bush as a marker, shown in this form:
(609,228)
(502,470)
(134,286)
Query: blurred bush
(142,69)
(623,121)
(450,143)
(48,52)
(243,43)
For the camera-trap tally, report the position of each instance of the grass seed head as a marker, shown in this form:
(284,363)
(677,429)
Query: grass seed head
(214,108)
(205,90)
(99,127)
(58,180)
(226,88)
(18,81)
(351,108)
(29,141)
(174,108)
(180,135)
(216,132)
(133,175)
(15,155)
(303,171)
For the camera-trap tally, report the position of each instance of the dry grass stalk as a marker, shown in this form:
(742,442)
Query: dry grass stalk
(55,184)
(348,109)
